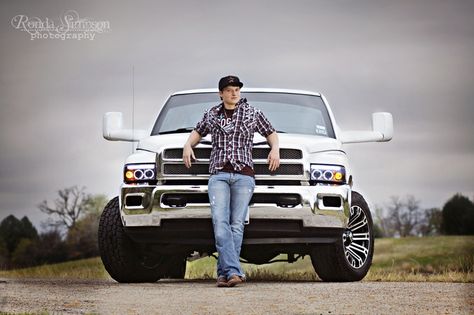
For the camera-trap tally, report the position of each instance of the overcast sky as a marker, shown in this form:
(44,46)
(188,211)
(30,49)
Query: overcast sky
(411,58)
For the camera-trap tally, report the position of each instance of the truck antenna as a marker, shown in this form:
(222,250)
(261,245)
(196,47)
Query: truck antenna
(133,106)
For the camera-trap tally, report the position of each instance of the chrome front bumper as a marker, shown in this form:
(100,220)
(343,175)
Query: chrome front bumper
(313,211)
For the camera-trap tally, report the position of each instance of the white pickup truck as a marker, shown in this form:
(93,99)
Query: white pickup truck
(307,206)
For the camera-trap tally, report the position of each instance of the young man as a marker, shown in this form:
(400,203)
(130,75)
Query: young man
(232,124)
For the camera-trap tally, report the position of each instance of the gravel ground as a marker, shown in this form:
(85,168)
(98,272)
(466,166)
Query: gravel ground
(262,297)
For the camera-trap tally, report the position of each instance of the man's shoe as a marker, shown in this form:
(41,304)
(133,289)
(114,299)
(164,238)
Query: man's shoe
(222,282)
(234,280)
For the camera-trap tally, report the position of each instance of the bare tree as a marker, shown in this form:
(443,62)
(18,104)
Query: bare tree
(394,213)
(68,207)
(381,221)
(412,216)
(431,224)
(82,239)
(405,216)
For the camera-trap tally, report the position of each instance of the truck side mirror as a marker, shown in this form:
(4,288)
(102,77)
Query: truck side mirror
(382,130)
(383,123)
(112,129)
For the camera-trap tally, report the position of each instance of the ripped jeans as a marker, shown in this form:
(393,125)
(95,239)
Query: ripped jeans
(229,196)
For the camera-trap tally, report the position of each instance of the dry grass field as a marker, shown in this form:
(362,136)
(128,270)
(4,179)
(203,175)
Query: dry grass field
(440,258)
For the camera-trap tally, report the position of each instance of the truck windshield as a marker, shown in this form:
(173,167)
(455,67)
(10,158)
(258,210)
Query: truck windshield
(288,113)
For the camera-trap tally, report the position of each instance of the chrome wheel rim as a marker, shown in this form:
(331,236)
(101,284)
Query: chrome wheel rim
(356,238)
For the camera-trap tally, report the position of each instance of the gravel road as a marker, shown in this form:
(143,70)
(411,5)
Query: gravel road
(262,297)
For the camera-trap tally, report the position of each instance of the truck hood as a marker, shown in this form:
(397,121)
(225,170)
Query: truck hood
(308,143)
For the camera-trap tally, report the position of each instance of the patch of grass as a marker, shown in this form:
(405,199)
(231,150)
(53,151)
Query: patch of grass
(302,269)
(456,252)
(91,268)
(441,258)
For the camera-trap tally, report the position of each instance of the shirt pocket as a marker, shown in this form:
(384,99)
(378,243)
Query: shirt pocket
(247,127)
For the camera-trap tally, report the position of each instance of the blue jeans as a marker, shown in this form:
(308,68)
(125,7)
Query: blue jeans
(229,196)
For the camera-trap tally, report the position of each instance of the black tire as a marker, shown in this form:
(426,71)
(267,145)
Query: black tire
(348,259)
(118,252)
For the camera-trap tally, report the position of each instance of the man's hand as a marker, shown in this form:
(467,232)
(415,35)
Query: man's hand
(188,155)
(274,156)
(274,159)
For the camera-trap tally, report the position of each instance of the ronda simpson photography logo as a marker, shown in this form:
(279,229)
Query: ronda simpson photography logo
(69,26)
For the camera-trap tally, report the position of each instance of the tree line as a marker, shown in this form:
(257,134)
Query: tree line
(73,220)
(403,217)
(70,231)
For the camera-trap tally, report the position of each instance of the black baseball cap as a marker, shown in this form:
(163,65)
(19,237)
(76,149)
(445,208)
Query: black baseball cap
(229,80)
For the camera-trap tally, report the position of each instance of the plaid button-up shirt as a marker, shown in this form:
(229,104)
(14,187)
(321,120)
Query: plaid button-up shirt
(234,142)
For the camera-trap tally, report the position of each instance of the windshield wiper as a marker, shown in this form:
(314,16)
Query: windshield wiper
(188,129)
(179,130)
(265,142)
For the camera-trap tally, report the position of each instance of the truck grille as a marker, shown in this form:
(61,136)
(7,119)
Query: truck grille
(260,169)
(290,164)
(257,153)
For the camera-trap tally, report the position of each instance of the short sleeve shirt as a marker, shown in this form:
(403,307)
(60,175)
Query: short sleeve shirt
(233,142)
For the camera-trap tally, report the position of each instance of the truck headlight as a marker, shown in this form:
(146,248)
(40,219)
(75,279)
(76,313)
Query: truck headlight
(139,173)
(327,174)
